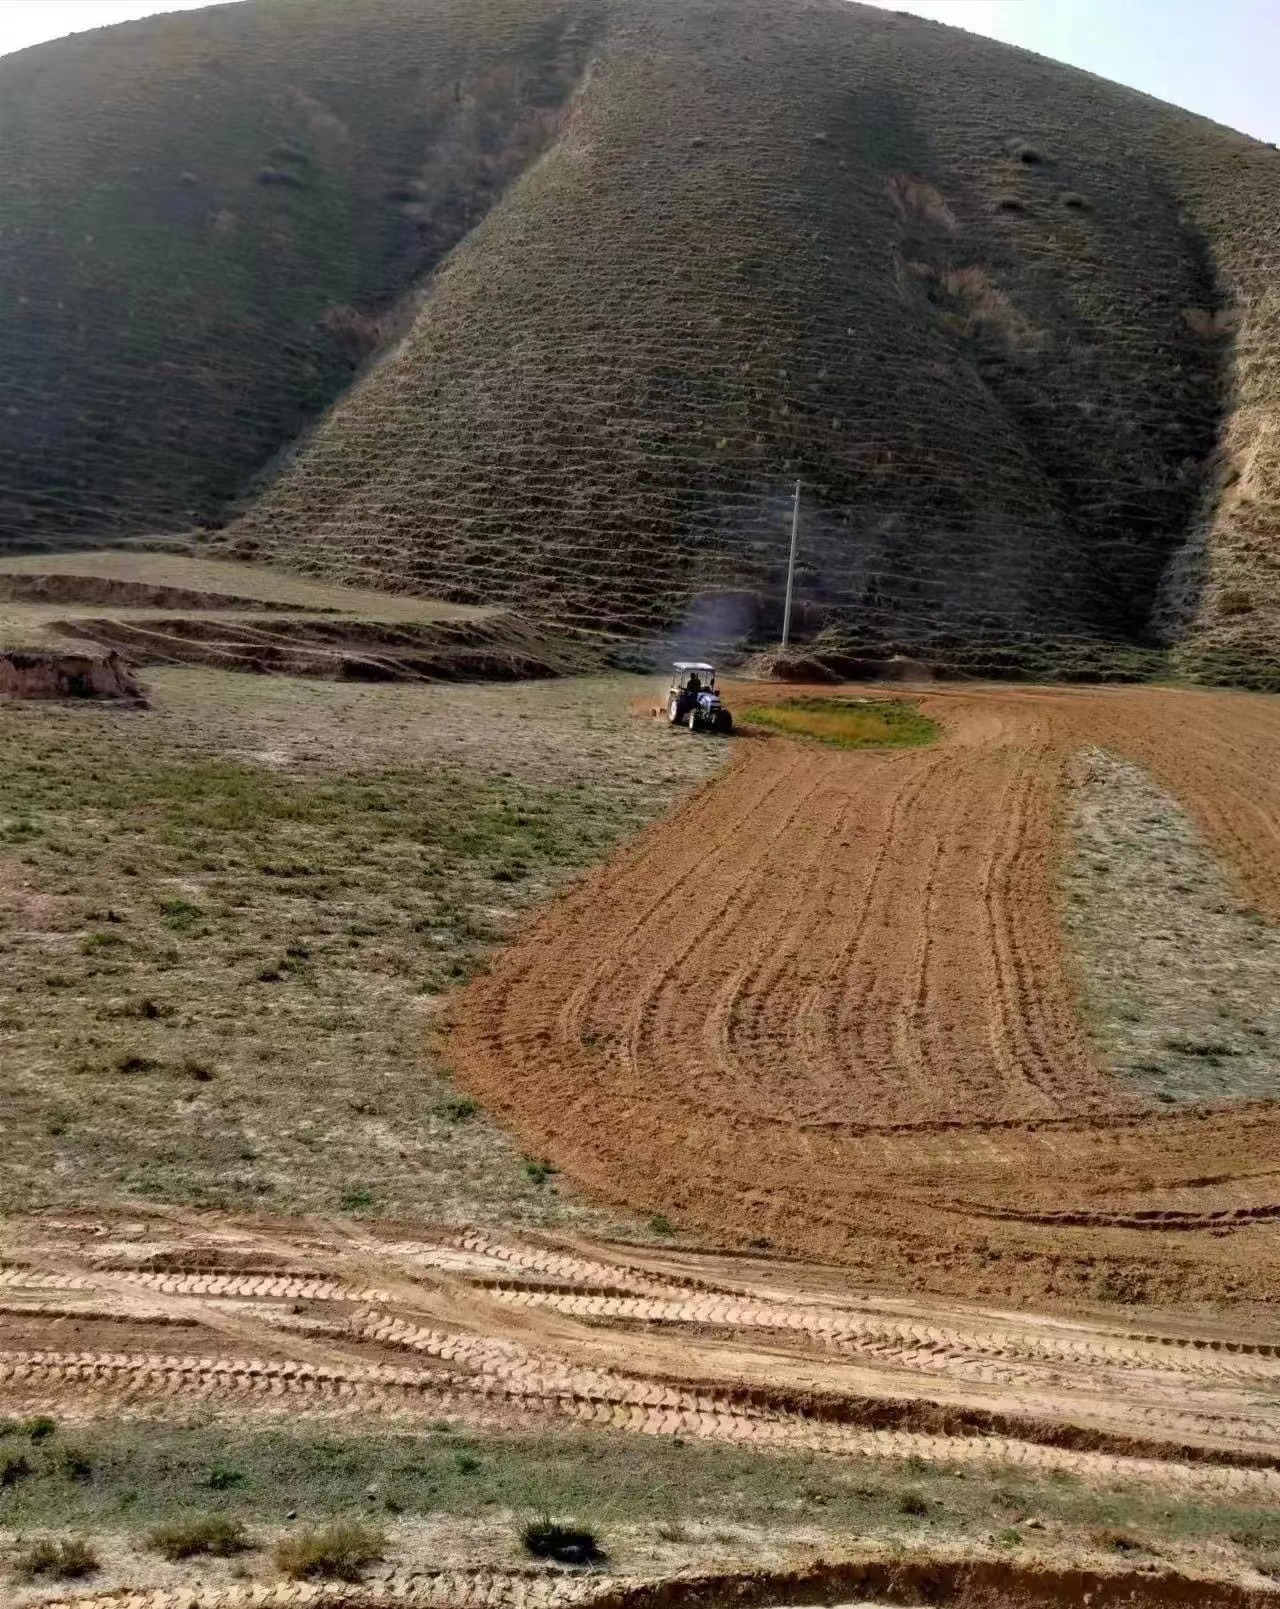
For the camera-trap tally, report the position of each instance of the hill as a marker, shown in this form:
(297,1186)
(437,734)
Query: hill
(555,302)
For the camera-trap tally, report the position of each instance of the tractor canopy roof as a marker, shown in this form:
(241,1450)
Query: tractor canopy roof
(692,664)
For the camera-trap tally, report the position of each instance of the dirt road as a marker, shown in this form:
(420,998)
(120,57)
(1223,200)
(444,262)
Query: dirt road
(308,1319)
(823,1008)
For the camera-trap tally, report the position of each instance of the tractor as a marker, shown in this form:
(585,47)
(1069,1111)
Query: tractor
(693,701)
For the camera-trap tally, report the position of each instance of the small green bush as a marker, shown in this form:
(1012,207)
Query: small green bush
(199,1533)
(337,1552)
(39,1427)
(913,1502)
(14,1467)
(48,1560)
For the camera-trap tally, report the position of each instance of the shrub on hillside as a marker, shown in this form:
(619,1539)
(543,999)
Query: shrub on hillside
(1212,324)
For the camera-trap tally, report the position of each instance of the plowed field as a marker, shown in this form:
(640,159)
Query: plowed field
(823,1008)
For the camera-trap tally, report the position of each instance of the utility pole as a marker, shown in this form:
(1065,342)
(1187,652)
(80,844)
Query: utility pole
(791,566)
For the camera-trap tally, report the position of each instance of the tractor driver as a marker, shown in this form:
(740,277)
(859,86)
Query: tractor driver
(695,684)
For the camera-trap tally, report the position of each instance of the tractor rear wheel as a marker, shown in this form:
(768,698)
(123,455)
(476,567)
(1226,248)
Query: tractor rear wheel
(693,719)
(673,711)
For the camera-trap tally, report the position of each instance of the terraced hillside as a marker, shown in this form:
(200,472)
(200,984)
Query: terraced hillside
(175,609)
(629,271)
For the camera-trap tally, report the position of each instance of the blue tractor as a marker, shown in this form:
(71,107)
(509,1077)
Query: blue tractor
(693,701)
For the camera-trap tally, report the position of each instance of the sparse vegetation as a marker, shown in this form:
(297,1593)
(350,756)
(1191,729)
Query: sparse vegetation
(154,1476)
(1187,1015)
(359,876)
(333,206)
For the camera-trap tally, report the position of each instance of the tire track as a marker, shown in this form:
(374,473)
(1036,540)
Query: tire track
(291,1388)
(447,1589)
(923,1579)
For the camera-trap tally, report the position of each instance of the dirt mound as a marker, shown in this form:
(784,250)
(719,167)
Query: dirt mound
(989,1583)
(590,284)
(858,1583)
(35,674)
(824,1008)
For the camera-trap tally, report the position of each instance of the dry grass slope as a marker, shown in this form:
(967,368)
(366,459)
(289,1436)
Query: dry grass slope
(1013,325)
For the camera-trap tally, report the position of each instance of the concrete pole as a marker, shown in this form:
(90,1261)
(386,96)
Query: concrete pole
(791,566)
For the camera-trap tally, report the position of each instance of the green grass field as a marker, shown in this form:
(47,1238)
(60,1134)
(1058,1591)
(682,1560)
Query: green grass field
(847,723)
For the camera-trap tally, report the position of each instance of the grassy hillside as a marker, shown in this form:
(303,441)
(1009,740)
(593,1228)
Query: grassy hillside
(1014,327)
(206,220)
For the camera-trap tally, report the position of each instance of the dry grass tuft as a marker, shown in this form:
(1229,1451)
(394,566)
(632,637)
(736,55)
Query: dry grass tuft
(338,1552)
(199,1534)
(48,1559)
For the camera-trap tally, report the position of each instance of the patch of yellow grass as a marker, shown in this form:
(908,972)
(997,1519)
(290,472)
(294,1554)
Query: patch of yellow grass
(848,723)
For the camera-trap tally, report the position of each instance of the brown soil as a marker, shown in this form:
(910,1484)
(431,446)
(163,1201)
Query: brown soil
(37,674)
(823,1008)
(853,1584)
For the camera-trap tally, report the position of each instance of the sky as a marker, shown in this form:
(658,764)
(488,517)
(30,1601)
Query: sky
(1218,57)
